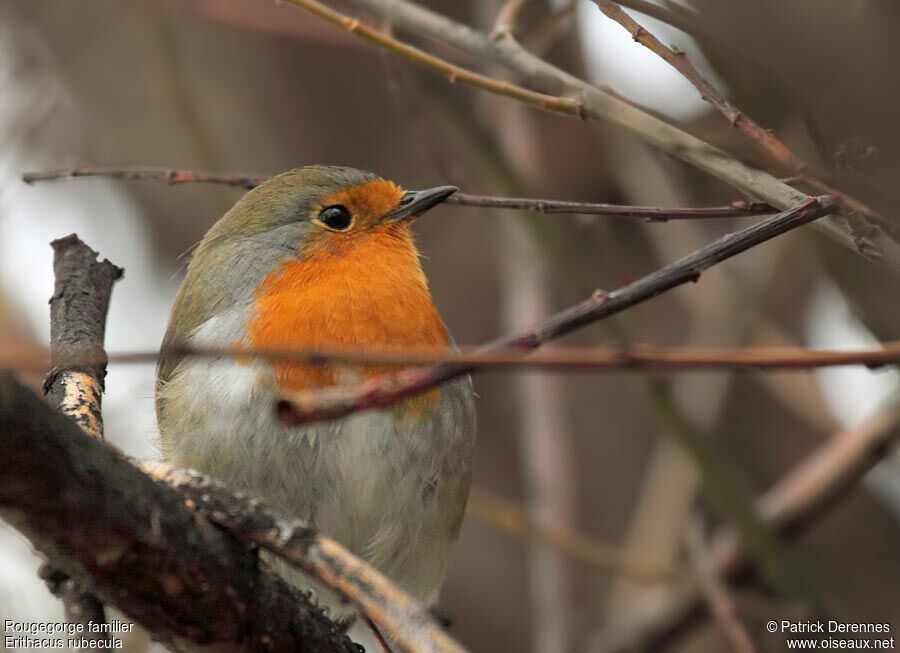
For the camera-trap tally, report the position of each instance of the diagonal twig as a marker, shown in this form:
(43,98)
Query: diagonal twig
(507,516)
(718,599)
(767,140)
(397,613)
(599,104)
(384,391)
(792,505)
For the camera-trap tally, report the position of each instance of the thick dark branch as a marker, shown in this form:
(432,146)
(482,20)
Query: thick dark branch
(99,518)
(736,209)
(398,614)
(384,391)
(77,327)
(78,311)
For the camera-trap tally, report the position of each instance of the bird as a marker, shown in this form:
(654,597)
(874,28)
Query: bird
(321,257)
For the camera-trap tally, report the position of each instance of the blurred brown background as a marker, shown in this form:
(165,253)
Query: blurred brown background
(251,86)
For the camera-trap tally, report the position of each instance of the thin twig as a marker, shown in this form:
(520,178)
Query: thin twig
(384,391)
(685,19)
(171,177)
(738,208)
(559,359)
(452,72)
(600,104)
(96,516)
(769,142)
(718,599)
(507,516)
(792,505)
(679,60)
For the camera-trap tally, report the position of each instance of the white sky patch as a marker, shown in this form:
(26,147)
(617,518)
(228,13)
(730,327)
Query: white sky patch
(614,59)
(39,130)
(852,393)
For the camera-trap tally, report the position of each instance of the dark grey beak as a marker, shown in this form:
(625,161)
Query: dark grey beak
(416,202)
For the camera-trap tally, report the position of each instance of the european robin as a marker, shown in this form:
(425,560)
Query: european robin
(321,257)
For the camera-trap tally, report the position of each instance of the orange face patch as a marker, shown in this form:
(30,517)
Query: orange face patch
(368,202)
(369,292)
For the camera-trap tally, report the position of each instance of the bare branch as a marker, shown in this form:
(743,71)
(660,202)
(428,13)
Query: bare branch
(384,391)
(683,19)
(78,311)
(569,359)
(718,599)
(452,72)
(599,104)
(767,140)
(407,621)
(509,517)
(738,208)
(792,505)
(144,552)
(171,177)
(679,60)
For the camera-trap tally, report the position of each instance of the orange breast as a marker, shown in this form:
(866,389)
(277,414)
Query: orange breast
(366,291)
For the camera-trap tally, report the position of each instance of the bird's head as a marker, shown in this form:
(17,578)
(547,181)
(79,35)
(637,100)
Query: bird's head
(325,210)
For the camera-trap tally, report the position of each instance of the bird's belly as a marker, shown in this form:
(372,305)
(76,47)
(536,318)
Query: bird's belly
(389,485)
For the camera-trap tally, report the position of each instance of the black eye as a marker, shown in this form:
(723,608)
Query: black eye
(335,217)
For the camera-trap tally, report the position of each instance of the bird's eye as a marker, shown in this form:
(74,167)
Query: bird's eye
(335,217)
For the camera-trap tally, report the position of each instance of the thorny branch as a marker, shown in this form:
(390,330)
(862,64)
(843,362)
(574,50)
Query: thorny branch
(148,554)
(384,391)
(738,208)
(844,470)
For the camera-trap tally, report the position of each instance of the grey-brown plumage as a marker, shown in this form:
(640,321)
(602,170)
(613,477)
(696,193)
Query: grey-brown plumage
(390,485)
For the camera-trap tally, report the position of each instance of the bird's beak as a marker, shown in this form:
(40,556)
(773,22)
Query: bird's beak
(416,202)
